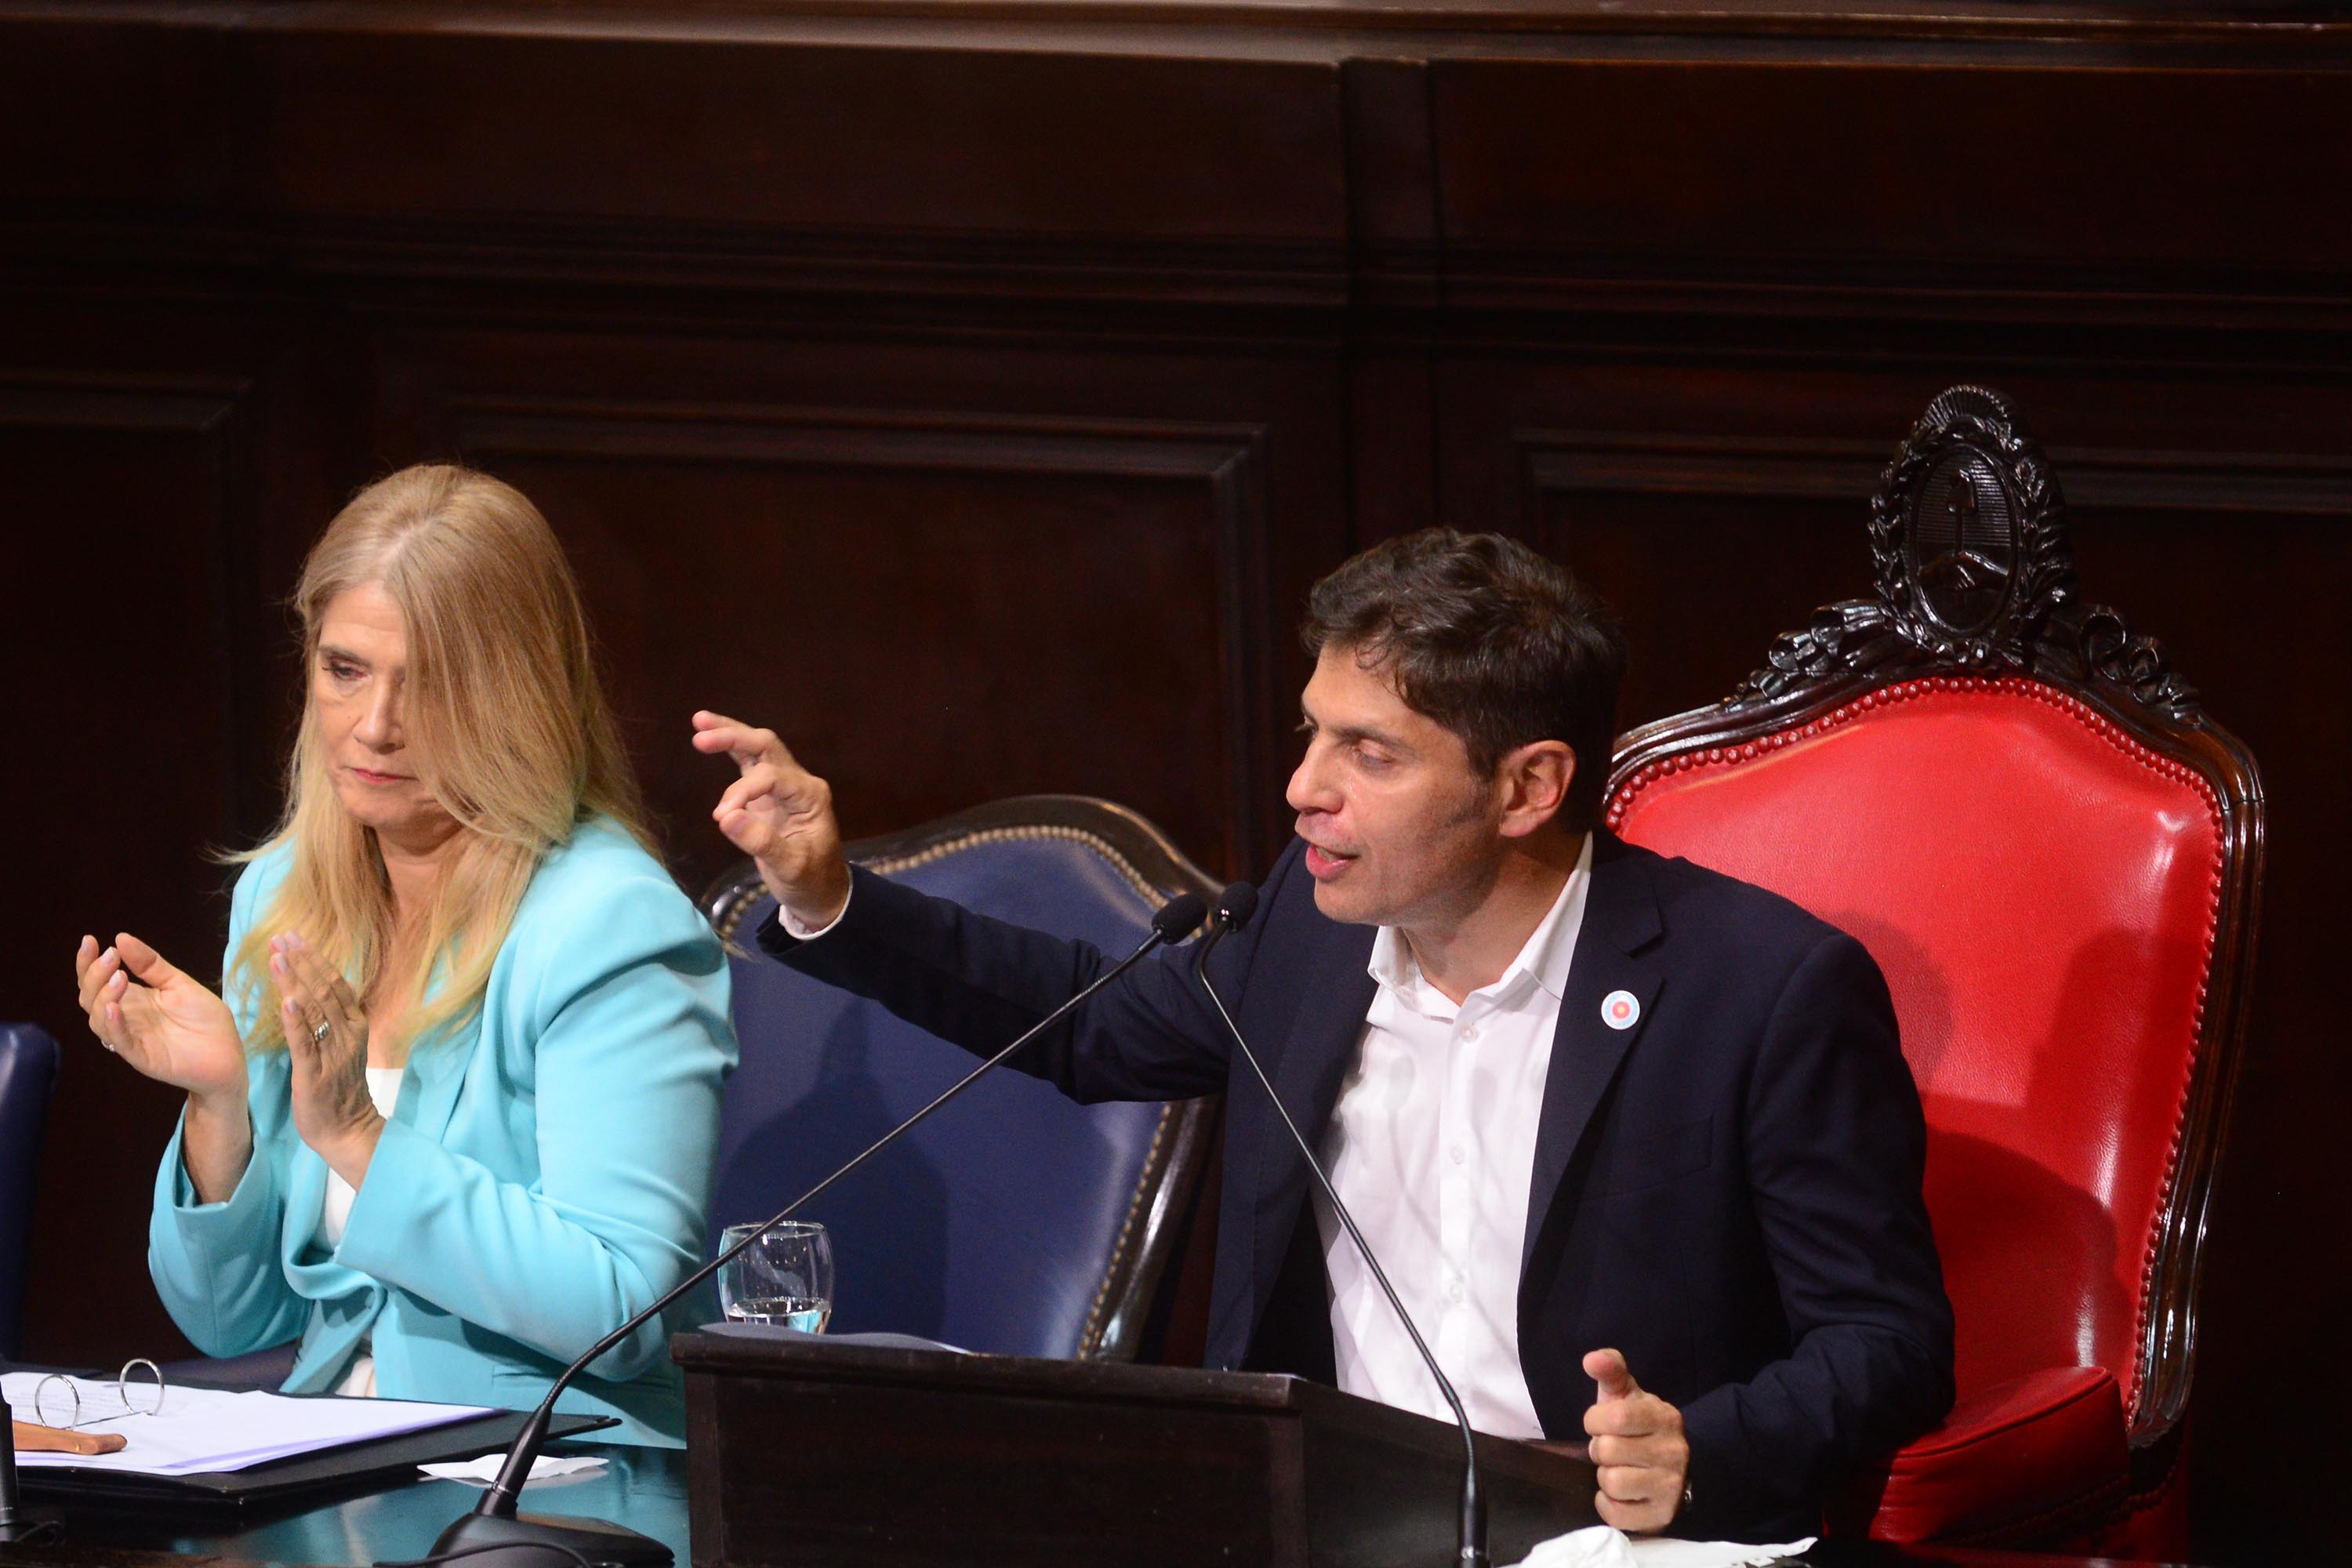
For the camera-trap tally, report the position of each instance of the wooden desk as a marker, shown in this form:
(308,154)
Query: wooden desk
(645,1488)
(642,1488)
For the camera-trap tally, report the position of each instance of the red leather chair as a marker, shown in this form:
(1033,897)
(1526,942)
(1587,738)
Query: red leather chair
(2055,856)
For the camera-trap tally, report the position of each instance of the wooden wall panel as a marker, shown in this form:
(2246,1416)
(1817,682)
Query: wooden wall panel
(118,701)
(1972,166)
(810,154)
(932,611)
(1663,525)
(832,137)
(1023,454)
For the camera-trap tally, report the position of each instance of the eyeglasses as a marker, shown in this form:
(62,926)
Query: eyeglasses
(70,1403)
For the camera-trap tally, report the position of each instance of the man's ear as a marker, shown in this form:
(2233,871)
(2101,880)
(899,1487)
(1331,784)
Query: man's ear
(1532,782)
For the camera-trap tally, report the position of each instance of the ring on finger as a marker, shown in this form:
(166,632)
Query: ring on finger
(320,1031)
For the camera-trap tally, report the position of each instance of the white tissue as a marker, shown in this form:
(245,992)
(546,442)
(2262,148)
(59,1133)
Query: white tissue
(1600,1546)
(485,1470)
(1595,1546)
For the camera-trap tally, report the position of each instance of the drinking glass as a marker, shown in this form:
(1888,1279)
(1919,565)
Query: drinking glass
(785,1277)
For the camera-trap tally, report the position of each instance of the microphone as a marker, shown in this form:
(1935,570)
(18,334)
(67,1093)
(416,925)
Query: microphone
(10,1524)
(494,1536)
(1234,907)
(16,1527)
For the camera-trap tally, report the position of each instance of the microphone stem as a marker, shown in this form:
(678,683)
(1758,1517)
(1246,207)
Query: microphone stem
(7,1469)
(499,1501)
(1472,1535)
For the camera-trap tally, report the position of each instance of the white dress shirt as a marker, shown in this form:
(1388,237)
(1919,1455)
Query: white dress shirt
(799,932)
(335,1212)
(1431,1146)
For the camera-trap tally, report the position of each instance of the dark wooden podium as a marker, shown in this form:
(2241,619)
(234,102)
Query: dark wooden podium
(812,1453)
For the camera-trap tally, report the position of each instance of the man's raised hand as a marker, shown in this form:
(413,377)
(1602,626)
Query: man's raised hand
(780,815)
(1638,1447)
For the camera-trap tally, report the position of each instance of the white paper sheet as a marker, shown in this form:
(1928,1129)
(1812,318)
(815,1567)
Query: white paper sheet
(202,1429)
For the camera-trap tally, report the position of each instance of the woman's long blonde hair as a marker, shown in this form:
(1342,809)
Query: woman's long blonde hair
(505,718)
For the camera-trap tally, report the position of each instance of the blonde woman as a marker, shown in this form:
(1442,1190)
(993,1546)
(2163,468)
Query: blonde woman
(451,1119)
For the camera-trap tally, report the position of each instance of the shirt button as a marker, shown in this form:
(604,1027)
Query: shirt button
(1469,1031)
(1457,1154)
(1457,1287)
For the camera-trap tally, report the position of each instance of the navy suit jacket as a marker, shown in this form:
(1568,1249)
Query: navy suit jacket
(1729,1191)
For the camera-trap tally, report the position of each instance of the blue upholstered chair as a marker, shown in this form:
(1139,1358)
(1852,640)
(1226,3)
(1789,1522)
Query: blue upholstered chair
(28,1079)
(1013,1221)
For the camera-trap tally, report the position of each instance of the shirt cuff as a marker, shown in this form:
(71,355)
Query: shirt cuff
(800,933)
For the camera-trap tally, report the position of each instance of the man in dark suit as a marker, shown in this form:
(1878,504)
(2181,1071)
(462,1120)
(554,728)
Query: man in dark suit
(1600,1114)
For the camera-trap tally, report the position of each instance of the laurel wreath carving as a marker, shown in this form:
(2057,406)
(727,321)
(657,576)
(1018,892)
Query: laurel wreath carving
(2039,627)
(2111,652)
(1840,640)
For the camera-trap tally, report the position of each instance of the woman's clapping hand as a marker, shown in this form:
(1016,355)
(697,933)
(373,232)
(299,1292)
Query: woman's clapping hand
(178,1032)
(159,1020)
(327,1034)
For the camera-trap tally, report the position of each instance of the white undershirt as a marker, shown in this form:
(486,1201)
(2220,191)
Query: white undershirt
(335,1212)
(1432,1147)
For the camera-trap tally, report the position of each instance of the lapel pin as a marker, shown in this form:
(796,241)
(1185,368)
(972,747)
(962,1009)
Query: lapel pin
(1618,1010)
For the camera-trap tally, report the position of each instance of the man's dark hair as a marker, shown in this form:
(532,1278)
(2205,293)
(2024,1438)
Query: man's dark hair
(1488,639)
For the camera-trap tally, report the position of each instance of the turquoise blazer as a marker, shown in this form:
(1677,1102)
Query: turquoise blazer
(546,1172)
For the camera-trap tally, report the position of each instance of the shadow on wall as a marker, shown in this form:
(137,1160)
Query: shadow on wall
(894,1281)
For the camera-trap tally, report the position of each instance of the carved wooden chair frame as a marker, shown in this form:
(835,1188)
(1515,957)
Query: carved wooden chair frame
(1976,584)
(1181,1148)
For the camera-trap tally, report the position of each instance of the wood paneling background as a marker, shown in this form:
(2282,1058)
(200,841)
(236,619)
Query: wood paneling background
(974,391)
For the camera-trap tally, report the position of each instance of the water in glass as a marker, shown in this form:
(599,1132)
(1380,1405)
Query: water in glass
(785,1277)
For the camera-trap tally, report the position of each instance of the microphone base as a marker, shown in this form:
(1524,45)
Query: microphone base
(538,1540)
(43,1529)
